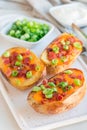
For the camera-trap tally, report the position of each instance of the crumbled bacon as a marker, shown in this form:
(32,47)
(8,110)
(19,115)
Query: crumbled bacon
(79,77)
(8,72)
(22,73)
(50,80)
(60,45)
(47,86)
(59,55)
(51,55)
(49,49)
(56,80)
(44,82)
(15,67)
(63,52)
(63,94)
(12,63)
(66,88)
(32,66)
(58,96)
(13,56)
(25,53)
(71,39)
(26,61)
(6,60)
(73,84)
(72,76)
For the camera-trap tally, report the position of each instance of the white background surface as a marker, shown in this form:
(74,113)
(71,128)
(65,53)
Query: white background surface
(7,121)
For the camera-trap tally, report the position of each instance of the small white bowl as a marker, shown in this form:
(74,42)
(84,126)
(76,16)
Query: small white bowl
(70,13)
(20,42)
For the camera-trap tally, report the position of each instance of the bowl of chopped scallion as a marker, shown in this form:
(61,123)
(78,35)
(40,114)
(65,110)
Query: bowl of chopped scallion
(26,31)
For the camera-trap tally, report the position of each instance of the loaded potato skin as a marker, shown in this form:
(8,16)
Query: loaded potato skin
(61,53)
(59,93)
(21,67)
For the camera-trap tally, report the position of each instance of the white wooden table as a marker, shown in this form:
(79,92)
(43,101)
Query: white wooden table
(7,121)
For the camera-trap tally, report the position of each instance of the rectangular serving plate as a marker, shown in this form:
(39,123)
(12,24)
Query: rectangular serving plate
(28,119)
(24,115)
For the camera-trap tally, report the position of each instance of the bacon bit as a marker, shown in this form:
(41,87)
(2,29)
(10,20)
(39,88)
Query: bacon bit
(63,94)
(43,96)
(32,66)
(22,73)
(51,55)
(26,61)
(58,96)
(60,45)
(71,39)
(12,63)
(50,80)
(59,55)
(44,82)
(72,76)
(49,49)
(66,88)
(14,54)
(64,52)
(70,48)
(23,54)
(12,59)
(79,77)
(6,60)
(27,52)
(8,72)
(47,86)
(56,80)
(42,102)
(73,85)
(15,67)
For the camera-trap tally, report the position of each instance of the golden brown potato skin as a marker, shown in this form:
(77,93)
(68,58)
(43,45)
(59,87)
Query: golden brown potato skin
(54,69)
(24,82)
(56,107)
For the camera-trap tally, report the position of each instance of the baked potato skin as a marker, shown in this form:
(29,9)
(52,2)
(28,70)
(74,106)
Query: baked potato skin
(25,83)
(56,107)
(54,69)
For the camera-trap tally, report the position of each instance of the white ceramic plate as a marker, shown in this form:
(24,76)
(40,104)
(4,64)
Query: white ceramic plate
(19,42)
(70,13)
(26,117)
